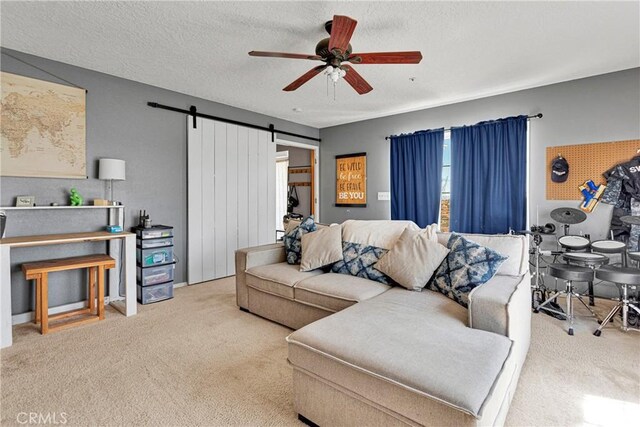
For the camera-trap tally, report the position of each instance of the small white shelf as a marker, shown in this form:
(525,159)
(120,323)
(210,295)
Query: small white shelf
(27,208)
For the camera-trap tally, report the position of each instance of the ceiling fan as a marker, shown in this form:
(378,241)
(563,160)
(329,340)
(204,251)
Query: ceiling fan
(335,50)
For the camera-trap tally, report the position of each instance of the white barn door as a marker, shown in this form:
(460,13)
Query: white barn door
(231,195)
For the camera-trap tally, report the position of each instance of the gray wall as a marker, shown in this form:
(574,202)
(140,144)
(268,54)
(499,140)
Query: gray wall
(595,109)
(299,157)
(119,125)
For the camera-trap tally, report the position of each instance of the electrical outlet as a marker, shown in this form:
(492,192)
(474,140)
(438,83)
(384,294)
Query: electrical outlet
(384,195)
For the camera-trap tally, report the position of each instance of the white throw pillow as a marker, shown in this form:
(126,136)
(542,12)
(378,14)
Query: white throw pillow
(432,232)
(321,248)
(413,259)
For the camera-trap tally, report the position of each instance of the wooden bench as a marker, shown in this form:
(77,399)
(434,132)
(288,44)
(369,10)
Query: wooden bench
(39,271)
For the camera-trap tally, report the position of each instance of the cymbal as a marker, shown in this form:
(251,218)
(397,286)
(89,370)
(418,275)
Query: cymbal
(630,219)
(568,216)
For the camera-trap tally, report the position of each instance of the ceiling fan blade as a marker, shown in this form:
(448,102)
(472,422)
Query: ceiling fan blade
(413,57)
(305,78)
(356,80)
(284,55)
(342,28)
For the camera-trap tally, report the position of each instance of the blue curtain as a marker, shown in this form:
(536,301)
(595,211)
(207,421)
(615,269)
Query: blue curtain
(488,176)
(416,176)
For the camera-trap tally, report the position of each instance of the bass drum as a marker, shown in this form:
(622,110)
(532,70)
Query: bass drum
(574,243)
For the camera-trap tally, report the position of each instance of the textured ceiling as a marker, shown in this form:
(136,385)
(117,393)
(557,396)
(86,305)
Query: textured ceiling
(470,49)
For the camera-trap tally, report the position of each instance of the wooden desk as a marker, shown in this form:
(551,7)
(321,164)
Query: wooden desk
(126,305)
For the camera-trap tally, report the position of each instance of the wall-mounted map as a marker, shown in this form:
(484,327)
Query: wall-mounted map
(43,129)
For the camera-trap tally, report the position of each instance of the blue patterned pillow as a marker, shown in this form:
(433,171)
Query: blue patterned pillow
(358,260)
(293,240)
(466,267)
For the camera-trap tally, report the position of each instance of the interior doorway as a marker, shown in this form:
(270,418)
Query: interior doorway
(296,175)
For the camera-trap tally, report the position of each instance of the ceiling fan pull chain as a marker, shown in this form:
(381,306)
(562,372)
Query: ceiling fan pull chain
(327,85)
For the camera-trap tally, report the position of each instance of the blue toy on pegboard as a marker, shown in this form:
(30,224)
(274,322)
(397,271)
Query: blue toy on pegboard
(591,193)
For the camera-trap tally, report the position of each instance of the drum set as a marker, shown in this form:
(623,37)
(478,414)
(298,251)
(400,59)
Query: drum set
(584,261)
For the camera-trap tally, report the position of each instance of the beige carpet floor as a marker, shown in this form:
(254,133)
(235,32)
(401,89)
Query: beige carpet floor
(198,360)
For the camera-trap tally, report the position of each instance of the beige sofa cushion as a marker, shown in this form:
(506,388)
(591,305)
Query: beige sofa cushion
(277,279)
(489,304)
(336,292)
(413,259)
(321,248)
(416,341)
(380,233)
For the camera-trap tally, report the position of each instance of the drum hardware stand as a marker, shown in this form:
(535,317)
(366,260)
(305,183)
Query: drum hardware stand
(590,284)
(623,304)
(538,290)
(569,293)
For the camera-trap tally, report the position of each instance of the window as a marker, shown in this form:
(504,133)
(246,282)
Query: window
(446,183)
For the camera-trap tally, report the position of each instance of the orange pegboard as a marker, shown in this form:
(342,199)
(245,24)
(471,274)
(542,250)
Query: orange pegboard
(586,161)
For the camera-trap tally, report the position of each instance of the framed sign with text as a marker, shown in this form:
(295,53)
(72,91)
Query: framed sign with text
(351,180)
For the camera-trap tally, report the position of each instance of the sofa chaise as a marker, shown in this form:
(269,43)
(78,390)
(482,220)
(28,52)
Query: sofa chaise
(365,353)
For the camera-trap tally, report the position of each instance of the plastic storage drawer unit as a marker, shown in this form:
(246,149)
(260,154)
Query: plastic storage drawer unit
(155,232)
(154,243)
(154,256)
(155,293)
(154,275)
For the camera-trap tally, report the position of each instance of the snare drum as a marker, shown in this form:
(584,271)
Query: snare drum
(574,243)
(587,259)
(608,246)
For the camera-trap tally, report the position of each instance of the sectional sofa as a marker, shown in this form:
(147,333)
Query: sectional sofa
(365,353)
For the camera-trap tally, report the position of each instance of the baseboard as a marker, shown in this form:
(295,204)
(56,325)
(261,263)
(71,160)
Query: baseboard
(27,317)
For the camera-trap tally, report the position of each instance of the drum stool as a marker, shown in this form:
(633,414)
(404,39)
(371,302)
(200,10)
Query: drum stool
(623,277)
(587,259)
(569,273)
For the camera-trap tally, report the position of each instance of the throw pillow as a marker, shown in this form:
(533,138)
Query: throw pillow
(293,239)
(467,266)
(413,259)
(432,232)
(358,260)
(321,248)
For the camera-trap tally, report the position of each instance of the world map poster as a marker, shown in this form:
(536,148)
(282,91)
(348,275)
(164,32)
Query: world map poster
(43,129)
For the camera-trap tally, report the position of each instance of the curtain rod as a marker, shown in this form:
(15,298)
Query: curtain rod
(535,116)
(192,111)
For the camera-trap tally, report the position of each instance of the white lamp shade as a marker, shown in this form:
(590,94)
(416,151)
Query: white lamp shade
(111,169)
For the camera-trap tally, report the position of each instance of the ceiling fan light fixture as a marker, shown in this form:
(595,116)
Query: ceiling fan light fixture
(335,73)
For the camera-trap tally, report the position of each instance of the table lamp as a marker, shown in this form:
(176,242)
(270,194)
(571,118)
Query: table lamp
(111,170)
